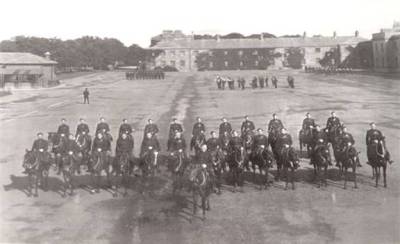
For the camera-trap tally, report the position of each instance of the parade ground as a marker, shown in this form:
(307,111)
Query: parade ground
(307,214)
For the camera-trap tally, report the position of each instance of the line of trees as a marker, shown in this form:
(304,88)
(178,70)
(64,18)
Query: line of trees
(87,51)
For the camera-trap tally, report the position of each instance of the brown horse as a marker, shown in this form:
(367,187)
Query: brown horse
(217,167)
(177,165)
(288,160)
(122,167)
(202,186)
(236,167)
(306,139)
(100,162)
(70,164)
(321,159)
(376,158)
(263,159)
(350,160)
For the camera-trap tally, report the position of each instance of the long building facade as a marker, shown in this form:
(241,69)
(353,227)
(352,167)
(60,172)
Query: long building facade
(185,53)
(386,49)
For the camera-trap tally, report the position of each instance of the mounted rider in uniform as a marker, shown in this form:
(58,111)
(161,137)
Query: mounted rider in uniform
(224,126)
(247,126)
(376,136)
(150,127)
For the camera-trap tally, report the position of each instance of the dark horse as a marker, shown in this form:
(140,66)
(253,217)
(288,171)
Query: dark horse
(321,159)
(196,143)
(248,140)
(57,144)
(202,186)
(84,143)
(236,167)
(70,164)
(263,159)
(177,166)
(347,158)
(306,139)
(377,160)
(333,134)
(99,161)
(288,159)
(37,166)
(122,167)
(148,166)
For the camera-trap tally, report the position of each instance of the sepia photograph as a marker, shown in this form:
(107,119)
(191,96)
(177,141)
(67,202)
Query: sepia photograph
(200,122)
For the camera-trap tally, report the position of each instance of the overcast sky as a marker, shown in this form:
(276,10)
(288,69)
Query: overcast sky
(137,21)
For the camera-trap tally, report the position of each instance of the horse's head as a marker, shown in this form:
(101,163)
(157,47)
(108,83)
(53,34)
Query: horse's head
(293,157)
(29,157)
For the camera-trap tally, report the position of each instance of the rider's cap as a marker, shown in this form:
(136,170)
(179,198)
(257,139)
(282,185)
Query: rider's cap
(307,113)
(372,123)
(101,118)
(124,120)
(332,112)
(274,114)
(63,119)
(149,120)
(39,134)
(246,116)
(259,129)
(198,118)
(223,118)
(173,119)
(81,119)
(212,132)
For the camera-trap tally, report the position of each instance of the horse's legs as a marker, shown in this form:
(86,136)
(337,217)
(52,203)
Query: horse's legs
(292,177)
(45,177)
(203,206)
(30,182)
(326,176)
(194,202)
(345,176)
(126,182)
(384,176)
(375,170)
(285,171)
(354,174)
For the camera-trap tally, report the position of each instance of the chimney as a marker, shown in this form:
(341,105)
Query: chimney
(304,34)
(334,35)
(47,55)
(356,33)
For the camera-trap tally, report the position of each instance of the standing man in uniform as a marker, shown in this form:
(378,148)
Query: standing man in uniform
(376,136)
(86,96)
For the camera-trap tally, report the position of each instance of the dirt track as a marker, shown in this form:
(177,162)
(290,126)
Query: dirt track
(306,215)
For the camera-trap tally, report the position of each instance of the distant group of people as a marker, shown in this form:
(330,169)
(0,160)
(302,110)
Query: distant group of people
(328,70)
(145,75)
(256,82)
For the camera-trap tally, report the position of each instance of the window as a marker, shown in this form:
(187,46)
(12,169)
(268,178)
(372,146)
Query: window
(397,62)
(383,62)
(226,63)
(211,64)
(225,53)
(255,52)
(382,47)
(317,49)
(240,52)
(376,62)
(182,63)
(172,63)
(210,53)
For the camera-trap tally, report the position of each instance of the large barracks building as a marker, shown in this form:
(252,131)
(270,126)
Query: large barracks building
(186,53)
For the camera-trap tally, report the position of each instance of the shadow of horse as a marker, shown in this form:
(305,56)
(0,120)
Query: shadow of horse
(21,183)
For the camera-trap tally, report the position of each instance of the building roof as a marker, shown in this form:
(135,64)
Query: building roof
(23,58)
(188,43)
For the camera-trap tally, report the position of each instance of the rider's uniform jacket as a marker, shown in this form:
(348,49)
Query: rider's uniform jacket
(81,128)
(102,126)
(275,125)
(247,126)
(307,122)
(235,143)
(63,129)
(174,127)
(178,143)
(212,144)
(197,127)
(201,138)
(225,126)
(40,144)
(332,122)
(260,140)
(284,139)
(124,145)
(320,135)
(80,141)
(204,158)
(224,141)
(345,138)
(152,128)
(71,145)
(152,142)
(125,128)
(373,134)
(102,143)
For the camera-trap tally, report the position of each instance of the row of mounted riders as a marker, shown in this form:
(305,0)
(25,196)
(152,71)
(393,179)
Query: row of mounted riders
(256,82)
(228,153)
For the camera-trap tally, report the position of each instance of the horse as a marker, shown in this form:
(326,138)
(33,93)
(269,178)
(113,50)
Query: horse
(321,159)
(263,159)
(349,160)
(202,186)
(99,161)
(122,166)
(248,139)
(177,166)
(306,139)
(57,144)
(84,143)
(70,164)
(236,166)
(37,166)
(224,152)
(217,167)
(333,134)
(288,159)
(376,158)
(197,141)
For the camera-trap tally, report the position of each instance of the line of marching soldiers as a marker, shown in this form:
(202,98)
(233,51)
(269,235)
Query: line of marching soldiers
(145,75)
(227,138)
(256,82)
(327,70)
